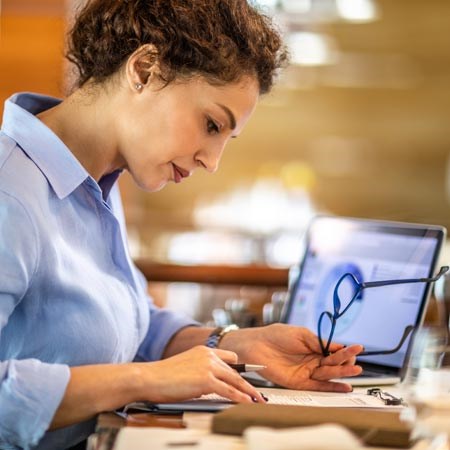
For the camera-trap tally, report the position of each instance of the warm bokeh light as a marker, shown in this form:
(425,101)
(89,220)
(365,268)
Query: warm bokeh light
(365,134)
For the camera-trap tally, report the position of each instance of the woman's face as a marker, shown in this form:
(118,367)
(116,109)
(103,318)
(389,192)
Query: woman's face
(165,134)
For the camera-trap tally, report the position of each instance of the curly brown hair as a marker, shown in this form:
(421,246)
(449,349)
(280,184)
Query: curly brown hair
(221,40)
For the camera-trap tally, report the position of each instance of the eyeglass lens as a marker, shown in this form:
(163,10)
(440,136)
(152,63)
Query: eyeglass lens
(347,290)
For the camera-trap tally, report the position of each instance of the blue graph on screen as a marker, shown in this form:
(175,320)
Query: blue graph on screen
(324,301)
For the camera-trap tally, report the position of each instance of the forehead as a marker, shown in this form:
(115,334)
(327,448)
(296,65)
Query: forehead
(240,97)
(245,89)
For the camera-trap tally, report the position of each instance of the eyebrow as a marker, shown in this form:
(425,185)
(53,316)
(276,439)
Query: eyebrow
(230,115)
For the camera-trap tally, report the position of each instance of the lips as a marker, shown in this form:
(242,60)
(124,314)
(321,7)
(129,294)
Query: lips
(179,173)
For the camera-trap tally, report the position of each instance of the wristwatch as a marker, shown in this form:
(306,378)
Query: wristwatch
(216,336)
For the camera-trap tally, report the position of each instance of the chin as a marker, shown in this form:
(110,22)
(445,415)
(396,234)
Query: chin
(145,181)
(158,188)
(150,185)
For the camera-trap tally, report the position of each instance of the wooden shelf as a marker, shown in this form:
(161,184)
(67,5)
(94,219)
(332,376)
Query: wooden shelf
(252,275)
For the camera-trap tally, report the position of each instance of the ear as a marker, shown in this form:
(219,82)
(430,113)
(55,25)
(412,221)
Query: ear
(141,66)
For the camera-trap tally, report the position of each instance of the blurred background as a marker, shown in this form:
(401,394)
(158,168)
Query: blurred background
(357,126)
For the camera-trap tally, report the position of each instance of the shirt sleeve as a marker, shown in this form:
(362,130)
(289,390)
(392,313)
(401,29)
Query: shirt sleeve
(30,390)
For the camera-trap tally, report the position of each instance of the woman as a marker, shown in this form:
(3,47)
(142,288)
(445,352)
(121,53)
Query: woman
(163,85)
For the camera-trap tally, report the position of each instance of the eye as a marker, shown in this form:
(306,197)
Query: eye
(212,127)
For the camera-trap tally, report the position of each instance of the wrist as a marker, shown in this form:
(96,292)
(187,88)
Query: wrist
(186,338)
(239,341)
(136,387)
(215,338)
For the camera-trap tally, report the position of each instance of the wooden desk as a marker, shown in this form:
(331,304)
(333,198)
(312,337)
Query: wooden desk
(109,424)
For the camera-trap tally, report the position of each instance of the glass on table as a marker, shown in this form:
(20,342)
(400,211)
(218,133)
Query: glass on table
(426,386)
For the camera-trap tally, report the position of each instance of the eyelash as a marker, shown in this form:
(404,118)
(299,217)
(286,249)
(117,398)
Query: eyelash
(212,127)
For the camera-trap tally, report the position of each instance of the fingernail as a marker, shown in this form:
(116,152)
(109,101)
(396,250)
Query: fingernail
(264,397)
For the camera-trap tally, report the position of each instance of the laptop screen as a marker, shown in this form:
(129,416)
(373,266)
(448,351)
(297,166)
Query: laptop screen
(372,251)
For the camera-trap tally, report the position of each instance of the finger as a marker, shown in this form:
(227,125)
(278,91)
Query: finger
(328,386)
(312,342)
(342,355)
(226,390)
(226,355)
(324,373)
(335,346)
(350,362)
(231,377)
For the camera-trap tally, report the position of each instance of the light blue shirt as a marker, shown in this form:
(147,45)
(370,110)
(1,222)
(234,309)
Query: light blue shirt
(69,293)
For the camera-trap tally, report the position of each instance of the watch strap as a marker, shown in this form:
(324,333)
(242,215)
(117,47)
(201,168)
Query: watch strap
(217,335)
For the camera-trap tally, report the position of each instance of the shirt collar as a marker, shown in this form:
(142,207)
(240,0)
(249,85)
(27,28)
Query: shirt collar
(62,170)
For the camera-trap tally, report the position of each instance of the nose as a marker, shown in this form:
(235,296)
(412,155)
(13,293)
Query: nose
(209,158)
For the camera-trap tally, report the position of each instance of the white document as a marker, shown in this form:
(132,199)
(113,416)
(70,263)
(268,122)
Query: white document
(321,437)
(136,438)
(275,396)
(318,437)
(357,399)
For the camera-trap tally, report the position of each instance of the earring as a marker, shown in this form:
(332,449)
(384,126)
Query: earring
(138,86)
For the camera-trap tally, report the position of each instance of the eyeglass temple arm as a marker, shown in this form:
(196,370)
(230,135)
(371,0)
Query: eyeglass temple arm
(406,333)
(370,284)
(325,347)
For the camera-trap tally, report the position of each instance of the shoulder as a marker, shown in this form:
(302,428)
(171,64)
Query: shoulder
(20,178)
(7,146)
(19,244)
(16,184)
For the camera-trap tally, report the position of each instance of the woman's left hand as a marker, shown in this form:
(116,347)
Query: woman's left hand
(294,358)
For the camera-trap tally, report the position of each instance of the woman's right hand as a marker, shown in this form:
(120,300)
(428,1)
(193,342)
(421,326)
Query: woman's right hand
(200,370)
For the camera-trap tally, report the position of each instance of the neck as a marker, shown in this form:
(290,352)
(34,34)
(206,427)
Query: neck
(83,121)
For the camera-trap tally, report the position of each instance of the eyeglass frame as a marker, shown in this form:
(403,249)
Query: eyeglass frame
(360,287)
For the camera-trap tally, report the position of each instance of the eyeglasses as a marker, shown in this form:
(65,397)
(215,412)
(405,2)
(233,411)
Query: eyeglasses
(385,397)
(348,288)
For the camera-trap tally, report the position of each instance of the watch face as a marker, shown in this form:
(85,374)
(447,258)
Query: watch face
(325,294)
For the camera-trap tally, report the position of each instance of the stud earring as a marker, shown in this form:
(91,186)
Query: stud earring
(138,86)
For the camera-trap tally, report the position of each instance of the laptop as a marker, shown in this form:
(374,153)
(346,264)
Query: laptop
(372,251)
